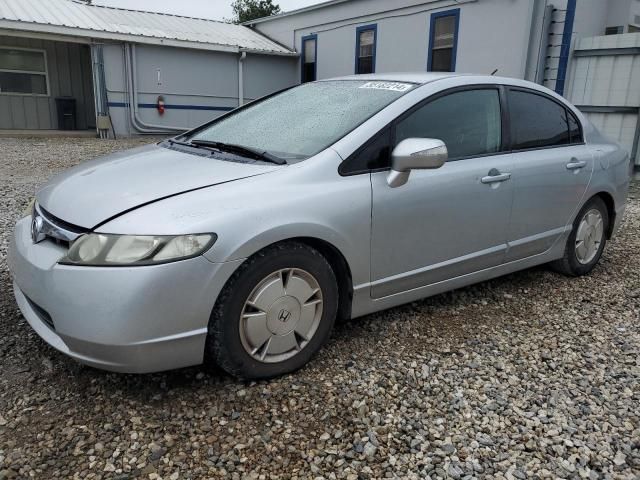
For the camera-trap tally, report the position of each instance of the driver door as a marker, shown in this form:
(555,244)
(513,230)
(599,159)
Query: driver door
(449,221)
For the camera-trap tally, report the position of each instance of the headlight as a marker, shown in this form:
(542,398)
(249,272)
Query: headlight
(113,250)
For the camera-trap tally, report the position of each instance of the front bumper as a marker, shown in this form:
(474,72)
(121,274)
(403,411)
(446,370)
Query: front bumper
(126,319)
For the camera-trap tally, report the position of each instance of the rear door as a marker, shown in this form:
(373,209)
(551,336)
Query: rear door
(552,168)
(450,221)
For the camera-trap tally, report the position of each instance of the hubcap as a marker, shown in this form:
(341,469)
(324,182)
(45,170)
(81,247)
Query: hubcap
(589,236)
(281,315)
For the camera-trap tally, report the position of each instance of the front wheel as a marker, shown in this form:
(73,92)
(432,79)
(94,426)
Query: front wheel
(587,240)
(275,313)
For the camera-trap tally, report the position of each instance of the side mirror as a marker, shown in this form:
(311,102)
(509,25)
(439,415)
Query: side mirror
(415,153)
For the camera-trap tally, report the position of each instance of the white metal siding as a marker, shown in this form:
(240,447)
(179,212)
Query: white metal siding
(210,86)
(493,34)
(608,81)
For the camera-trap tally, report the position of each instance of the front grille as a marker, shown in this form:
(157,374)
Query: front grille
(42,314)
(58,222)
(55,229)
(58,241)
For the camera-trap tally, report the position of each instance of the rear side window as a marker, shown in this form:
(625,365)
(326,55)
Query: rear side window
(537,121)
(468,122)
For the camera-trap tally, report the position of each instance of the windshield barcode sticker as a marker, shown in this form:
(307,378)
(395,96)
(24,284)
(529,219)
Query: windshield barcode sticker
(395,86)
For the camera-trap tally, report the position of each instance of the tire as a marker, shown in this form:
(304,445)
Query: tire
(575,262)
(278,331)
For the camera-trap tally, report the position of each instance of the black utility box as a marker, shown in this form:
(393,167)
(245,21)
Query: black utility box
(66,113)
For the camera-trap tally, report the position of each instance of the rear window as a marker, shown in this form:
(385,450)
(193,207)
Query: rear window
(303,121)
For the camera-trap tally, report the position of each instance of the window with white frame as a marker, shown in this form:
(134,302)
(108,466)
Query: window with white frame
(23,71)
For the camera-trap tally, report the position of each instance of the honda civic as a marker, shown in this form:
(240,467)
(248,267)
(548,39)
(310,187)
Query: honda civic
(240,242)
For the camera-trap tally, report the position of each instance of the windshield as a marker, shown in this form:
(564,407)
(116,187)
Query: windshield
(303,121)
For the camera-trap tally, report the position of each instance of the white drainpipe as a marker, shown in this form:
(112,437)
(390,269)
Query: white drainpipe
(138,124)
(243,56)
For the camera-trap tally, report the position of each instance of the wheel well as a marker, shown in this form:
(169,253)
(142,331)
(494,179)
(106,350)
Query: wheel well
(611,210)
(340,268)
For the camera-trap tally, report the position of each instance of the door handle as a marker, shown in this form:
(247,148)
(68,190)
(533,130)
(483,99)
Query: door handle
(575,164)
(495,177)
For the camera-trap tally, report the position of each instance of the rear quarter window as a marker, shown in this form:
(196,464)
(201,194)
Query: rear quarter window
(575,131)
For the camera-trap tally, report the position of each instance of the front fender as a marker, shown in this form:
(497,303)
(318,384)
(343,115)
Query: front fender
(309,199)
(279,233)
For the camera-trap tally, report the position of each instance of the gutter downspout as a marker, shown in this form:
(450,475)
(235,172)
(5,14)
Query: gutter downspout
(97,101)
(241,60)
(138,124)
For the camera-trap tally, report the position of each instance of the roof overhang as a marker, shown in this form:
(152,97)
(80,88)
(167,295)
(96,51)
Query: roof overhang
(77,35)
(297,11)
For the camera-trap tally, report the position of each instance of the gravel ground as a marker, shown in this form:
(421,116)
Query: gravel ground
(529,376)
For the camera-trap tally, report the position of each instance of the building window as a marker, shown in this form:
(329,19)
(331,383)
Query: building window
(366,49)
(309,60)
(613,30)
(443,41)
(23,71)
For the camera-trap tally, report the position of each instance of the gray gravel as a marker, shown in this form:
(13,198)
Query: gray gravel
(529,376)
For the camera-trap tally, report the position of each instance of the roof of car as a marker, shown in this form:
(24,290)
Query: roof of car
(411,77)
(422,78)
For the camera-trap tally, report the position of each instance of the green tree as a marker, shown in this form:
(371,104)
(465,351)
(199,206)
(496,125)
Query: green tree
(245,10)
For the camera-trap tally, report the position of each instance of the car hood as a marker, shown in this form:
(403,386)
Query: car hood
(98,190)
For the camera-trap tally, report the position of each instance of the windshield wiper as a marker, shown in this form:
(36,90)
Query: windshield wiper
(178,142)
(242,150)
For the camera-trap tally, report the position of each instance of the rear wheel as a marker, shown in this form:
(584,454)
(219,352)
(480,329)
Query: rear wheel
(587,240)
(275,312)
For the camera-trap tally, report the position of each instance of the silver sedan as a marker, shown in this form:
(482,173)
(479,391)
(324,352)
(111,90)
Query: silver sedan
(241,242)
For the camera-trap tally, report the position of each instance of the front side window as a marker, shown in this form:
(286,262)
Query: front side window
(366,49)
(23,71)
(303,121)
(537,121)
(309,53)
(468,122)
(443,41)
(374,155)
